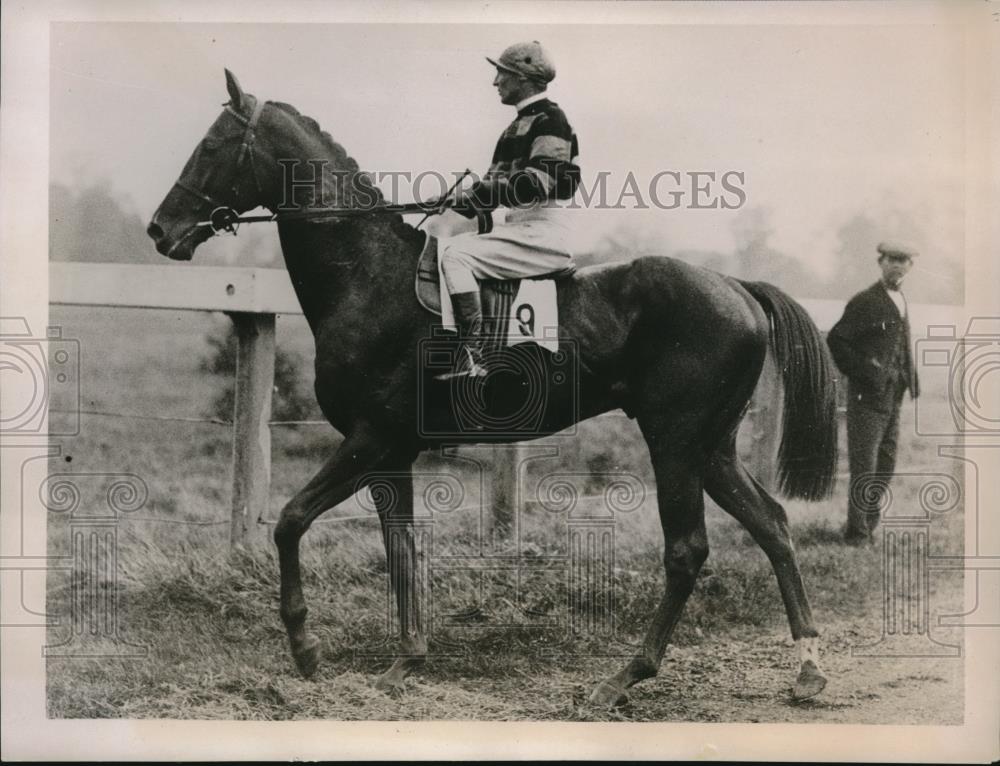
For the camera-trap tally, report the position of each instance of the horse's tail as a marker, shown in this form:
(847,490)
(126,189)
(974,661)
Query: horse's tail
(807,457)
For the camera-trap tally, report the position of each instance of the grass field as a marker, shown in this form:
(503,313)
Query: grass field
(217,649)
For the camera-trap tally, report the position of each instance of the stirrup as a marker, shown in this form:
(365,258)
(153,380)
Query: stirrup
(469,366)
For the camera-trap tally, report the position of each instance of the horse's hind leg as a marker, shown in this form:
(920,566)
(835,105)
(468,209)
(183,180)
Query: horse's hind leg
(682,516)
(738,493)
(392,492)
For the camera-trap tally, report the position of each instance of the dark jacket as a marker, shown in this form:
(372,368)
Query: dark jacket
(535,160)
(871,346)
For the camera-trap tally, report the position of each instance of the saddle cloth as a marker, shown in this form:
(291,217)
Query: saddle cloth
(514,310)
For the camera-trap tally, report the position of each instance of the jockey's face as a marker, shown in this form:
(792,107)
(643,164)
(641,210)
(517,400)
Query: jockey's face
(511,87)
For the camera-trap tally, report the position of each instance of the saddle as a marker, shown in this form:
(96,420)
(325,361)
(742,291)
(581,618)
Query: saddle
(498,295)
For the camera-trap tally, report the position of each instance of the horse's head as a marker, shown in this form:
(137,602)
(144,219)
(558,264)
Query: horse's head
(221,174)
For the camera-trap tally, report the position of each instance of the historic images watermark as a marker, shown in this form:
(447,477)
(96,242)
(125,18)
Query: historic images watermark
(971,361)
(92,504)
(39,369)
(43,371)
(907,561)
(666,189)
(529,392)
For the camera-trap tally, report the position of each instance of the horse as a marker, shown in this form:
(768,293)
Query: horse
(677,347)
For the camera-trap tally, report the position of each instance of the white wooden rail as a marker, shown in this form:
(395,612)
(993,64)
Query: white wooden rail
(253,298)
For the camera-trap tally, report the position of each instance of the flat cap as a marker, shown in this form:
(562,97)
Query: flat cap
(894,248)
(527,60)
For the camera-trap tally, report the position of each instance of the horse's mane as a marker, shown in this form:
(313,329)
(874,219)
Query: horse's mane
(340,156)
(344,161)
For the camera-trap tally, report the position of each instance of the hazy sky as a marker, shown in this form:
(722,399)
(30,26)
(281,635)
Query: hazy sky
(824,122)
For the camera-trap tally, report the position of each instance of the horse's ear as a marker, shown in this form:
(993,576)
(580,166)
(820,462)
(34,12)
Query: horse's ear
(236,95)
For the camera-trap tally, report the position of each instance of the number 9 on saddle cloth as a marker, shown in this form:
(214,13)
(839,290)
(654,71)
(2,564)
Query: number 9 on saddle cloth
(531,388)
(517,279)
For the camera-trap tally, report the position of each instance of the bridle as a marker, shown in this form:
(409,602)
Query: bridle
(223,217)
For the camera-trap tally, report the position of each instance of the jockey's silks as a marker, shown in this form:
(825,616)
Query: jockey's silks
(537,154)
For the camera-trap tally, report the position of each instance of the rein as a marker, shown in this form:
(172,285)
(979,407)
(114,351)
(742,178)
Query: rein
(224,218)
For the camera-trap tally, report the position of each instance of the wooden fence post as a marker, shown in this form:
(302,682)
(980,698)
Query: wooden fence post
(251,433)
(506,460)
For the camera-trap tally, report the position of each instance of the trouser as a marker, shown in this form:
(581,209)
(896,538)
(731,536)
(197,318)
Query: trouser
(531,243)
(871,444)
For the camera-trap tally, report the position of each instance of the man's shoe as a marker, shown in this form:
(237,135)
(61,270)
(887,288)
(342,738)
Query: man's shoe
(469,317)
(469,364)
(858,540)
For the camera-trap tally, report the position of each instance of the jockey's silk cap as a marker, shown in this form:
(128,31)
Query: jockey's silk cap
(894,248)
(527,60)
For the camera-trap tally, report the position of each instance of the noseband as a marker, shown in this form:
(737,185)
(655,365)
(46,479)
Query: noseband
(223,217)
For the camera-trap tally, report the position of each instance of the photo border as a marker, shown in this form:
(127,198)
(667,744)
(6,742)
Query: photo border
(28,734)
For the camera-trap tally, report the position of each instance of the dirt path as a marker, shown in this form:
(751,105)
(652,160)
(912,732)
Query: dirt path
(718,680)
(737,681)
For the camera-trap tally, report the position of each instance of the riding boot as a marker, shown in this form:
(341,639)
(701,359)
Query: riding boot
(469,316)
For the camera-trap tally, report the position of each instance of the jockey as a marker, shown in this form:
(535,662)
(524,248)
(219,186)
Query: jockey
(534,166)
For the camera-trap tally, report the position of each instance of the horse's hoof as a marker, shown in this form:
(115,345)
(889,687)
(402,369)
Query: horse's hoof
(810,682)
(608,695)
(307,656)
(391,684)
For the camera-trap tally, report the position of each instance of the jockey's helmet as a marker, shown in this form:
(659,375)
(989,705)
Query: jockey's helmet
(527,60)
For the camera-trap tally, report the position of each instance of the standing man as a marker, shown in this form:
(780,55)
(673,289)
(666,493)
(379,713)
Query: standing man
(871,346)
(533,168)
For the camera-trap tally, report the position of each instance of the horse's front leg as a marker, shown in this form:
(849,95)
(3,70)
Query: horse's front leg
(392,491)
(336,481)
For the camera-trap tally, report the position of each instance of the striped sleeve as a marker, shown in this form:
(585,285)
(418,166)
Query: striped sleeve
(552,161)
(535,160)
